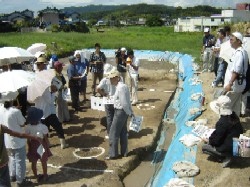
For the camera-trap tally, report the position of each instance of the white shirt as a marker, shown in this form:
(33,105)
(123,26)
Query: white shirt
(135,62)
(46,103)
(34,129)
(122,98)
(106,85)
(236,65)
(13,119)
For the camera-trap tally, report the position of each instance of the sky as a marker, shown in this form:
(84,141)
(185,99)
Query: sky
(8,6)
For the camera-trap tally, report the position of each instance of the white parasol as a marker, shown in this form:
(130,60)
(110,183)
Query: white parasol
(42,81)
(10,55)
(8,96)
(11,81)
(226,51)
(36,47)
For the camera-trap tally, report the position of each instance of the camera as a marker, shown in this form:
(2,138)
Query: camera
(240,78)
(118,53)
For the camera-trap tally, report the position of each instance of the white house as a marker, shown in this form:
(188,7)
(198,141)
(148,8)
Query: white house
(196,24)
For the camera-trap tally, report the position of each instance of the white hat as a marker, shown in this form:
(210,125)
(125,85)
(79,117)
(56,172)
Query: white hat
(113,73)
(222,105)
(238,35)
(123,49)
(206,29)
(107,68)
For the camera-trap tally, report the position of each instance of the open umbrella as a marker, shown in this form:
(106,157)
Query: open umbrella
(11,81)
(10,55)
(36,47)
(8,96)
(42,81)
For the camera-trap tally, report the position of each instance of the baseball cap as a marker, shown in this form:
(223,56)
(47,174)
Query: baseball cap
(113,73)
(123,49)
(206,29)
(238,35)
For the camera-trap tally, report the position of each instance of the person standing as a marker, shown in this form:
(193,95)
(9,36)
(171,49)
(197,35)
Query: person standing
(97,61)
(14,120)
(62,110)
(36,128)
(132,77)
(46,104)
(245,45)
(227,29)
(106,89)
(120,60)
(123,109)
(4,169)
(235,78)
(208,42)
(219,63)
(82,65)
(74,78)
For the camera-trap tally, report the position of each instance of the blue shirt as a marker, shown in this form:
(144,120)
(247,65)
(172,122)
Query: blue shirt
(81,67)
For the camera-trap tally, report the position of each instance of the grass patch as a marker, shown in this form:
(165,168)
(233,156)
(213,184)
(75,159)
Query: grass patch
(142,38)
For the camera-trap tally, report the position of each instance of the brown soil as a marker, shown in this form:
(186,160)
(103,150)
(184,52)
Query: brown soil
(212,174)
(86,130)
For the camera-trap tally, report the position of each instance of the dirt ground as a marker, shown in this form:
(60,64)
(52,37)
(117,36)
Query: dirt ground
(85,130)
(212,174)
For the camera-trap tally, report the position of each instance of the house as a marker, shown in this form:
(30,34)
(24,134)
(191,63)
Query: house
(100,23)
(141,21)
(49,16)
(71,16)
(196,24)
(28,14)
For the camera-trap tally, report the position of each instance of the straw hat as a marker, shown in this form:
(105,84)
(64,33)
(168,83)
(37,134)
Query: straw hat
(41,60)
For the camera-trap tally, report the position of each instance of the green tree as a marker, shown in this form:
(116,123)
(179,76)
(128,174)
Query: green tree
(153,21)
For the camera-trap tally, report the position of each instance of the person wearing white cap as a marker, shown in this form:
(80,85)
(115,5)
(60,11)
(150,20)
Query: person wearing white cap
(208,42)
(120,59)
(220,143)
(133,75)
(235,78)
(106,89)
(123,109)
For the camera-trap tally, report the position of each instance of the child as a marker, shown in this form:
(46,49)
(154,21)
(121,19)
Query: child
(36,128)
(4,170)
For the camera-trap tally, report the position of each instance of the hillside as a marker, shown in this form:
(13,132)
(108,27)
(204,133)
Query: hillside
(140,10)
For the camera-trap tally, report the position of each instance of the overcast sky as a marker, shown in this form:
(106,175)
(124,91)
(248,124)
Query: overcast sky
(8,6)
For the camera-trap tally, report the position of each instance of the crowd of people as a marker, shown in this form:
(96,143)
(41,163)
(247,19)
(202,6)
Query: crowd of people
(51,110)
(231,105)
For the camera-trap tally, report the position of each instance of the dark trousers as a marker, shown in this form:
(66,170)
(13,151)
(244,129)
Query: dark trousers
(109,109)
(94,78)
(216,65)
(5,176)
(55,123)
(74,92)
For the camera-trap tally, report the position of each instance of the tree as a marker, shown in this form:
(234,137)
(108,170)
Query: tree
(153,21)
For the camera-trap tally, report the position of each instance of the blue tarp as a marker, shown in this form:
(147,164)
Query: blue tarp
(182,104)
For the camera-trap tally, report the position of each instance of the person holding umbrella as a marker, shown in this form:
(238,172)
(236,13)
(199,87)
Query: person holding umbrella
(45,102)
